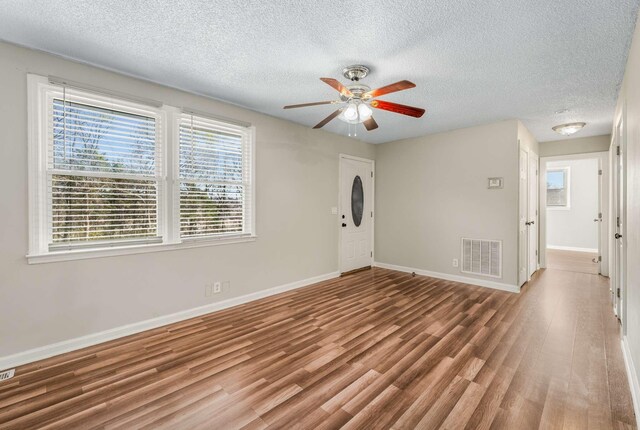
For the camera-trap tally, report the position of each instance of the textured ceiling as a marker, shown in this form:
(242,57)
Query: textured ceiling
(474,61)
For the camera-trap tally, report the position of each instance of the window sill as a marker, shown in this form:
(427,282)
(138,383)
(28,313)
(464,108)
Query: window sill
(82,254)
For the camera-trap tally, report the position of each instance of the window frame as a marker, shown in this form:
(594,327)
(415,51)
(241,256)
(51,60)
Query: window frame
(40,92)
(567,186)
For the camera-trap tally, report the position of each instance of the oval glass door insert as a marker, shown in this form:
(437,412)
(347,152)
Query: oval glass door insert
(357,200)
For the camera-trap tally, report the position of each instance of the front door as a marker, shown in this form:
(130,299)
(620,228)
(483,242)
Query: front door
(356,213)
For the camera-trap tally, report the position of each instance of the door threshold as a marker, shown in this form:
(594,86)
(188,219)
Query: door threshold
(351,272)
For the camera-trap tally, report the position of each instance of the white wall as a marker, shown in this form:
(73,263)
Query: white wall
(297,183)
(431,191)
(574,227)
(628,108)
(577,145)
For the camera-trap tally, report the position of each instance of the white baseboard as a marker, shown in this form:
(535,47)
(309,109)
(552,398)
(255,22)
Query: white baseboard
(634,383)
(573,248)
(47,351)
(449,277)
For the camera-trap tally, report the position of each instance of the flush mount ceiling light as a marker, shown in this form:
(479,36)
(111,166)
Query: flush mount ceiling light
(569,129)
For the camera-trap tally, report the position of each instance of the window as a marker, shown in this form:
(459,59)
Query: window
(214,177)
(103,181)
(558,188)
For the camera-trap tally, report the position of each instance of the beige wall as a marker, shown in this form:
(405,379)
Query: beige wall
(630,97)
(297,184)
(431,191)
(578,145)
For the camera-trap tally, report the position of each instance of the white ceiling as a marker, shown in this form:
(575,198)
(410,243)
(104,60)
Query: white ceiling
(474,61)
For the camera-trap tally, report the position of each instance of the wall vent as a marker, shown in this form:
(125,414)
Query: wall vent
(7,374)
(482,257)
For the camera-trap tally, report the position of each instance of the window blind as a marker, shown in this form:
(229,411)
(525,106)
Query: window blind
(102,181)
(215,178)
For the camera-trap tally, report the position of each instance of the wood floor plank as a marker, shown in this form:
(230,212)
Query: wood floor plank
(374,349)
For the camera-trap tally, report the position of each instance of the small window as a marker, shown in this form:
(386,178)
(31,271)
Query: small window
(558,188)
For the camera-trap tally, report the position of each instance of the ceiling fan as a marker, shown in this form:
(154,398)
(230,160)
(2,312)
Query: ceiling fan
(358,99)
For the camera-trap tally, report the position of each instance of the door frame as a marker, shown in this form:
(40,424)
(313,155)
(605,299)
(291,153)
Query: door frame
(603,164)
(373,196)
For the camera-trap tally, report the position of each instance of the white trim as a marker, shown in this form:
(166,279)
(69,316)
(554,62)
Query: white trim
(342,156)
(449,277)
(83,254)
(572,248)
(634,382)
(69,345)
(604,165)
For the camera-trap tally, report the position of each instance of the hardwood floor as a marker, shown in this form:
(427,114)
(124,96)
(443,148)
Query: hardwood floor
(376,349)
(572,260)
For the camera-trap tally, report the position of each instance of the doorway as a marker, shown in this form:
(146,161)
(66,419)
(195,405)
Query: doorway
(356,213)
(574,224)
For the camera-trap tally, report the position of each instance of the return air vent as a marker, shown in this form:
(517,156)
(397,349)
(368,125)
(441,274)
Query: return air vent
(7,374)
(482,257)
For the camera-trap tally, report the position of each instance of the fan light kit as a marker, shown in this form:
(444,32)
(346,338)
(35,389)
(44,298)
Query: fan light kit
(569,129)
(357,100)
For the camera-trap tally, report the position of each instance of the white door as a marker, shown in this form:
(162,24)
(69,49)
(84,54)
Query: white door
(356,213)
(533,214)
(598,218)
(618,224)
(523,214)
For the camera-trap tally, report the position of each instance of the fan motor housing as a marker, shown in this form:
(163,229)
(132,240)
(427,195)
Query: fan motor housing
(358,90)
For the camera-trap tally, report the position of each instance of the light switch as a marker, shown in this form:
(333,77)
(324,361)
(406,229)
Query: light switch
(334,210)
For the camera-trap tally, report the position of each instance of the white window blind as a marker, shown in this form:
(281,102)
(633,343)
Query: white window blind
(103,160)
(214,178)
(111,174)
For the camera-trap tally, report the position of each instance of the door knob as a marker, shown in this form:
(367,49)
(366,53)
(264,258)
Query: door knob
(344,224)
(532,222)
(618,236)
(596,219)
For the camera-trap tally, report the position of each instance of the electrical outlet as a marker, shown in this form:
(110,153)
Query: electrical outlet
(208,289)
(455,262)
(217,287)
(334,210)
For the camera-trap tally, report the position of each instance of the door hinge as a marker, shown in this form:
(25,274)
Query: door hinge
(600,172)
(618,150)
(599,258)
(618,292)
(372,174)
(600,215)
(371,214)
(618,221)
(372,253)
